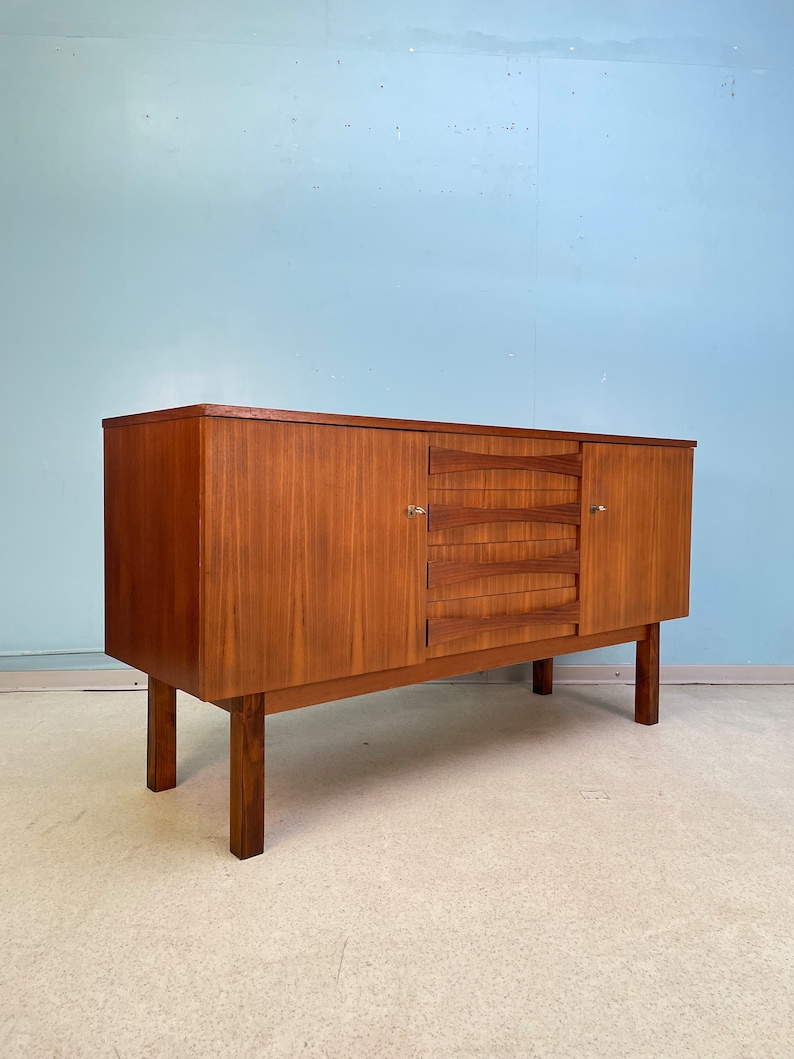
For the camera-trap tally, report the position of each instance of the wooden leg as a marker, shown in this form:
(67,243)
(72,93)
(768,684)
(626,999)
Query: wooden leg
(542,676)
(161,747)
(646,682)
(247,776)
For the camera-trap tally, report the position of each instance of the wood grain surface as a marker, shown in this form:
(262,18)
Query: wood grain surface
(635,554)
(290,416)
(550,646)
(496,585)
(152,488)
(247,776)
(543,676)
(646,680)
(443,630)
(503,533)
(503,551)
(446,573)
(310,567)
(264,560)
(458,570)
(490,496)
(161,737)
(160,472)
(478,486)
(441,516)
(444,461)
(516,606)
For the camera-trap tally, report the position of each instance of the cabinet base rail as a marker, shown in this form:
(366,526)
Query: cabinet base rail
(247,715)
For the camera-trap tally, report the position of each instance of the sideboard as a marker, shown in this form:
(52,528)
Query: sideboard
(264,560)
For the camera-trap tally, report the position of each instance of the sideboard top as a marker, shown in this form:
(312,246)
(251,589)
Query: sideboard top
(222,411)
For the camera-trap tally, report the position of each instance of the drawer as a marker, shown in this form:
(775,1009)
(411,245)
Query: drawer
(458,571)
(504,533)
(503,525)
(462,461)
(472,624)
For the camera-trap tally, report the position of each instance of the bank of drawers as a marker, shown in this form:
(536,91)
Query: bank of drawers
(503,559)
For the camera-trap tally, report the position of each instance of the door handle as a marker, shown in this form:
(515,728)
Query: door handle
(595,508)
(413,511)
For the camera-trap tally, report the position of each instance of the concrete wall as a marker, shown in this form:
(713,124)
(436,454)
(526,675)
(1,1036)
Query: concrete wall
(562,215)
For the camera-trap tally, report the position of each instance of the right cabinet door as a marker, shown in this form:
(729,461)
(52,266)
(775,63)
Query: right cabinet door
(635,535)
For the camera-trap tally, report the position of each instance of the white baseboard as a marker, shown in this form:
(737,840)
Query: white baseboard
(624,674)
(74,680)
(134,680)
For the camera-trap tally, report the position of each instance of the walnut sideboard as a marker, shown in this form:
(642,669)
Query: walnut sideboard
(264,560)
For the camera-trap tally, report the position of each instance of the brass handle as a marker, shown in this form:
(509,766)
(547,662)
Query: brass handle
(413,511)
(594,508)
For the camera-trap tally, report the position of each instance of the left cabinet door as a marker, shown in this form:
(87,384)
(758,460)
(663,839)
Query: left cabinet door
(311,569)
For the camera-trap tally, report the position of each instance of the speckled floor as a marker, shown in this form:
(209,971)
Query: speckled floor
(450,872)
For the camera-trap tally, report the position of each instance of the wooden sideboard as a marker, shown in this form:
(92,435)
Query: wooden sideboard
(264,560)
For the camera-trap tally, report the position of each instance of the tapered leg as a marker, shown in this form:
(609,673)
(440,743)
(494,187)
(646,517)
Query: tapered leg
(646,682)
(247,776)
(161,747)
(543,676)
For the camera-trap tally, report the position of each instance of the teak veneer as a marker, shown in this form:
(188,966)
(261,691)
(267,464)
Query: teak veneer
(266,560)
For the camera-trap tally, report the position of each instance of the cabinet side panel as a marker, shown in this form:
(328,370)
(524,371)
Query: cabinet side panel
(152,549)
(311,569)
(634,552)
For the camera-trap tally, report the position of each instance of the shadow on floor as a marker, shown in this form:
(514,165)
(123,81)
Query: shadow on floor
(320,753)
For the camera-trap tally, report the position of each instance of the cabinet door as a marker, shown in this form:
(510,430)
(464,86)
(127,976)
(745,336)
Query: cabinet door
(311,569)
(635,553)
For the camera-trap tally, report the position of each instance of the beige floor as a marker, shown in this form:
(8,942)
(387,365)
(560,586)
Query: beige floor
(450,871)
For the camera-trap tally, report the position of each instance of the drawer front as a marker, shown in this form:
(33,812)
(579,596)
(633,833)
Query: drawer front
(503,557)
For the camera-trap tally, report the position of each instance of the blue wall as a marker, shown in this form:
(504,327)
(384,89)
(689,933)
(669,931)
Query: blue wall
(563,215)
